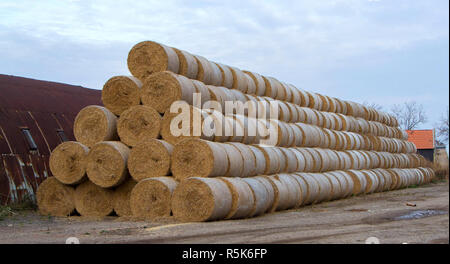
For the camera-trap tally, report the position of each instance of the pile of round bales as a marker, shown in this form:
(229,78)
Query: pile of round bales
(128,161)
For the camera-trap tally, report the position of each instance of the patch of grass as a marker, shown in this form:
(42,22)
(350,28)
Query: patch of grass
(413,186)
(27,203)
(5,211)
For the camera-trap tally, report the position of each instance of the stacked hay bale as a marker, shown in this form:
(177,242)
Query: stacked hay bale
(141,156)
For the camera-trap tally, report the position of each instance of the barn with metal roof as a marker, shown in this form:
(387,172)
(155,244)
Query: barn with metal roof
(35,117)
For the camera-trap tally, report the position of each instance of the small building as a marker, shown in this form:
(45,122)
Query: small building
(35,117)
(424,140)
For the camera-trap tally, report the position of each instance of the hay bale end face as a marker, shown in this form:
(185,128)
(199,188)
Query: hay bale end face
(94,124)
(198,158)
(54,198)
(92,200)
(201,199)
(106,164)
(138,123)
(68,162)
(148,57)
(120,93)
(150,158)
(242,198)
(151,198)
(161,89)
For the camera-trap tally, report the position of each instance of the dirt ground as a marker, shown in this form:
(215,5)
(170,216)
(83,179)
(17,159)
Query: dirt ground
(385,216)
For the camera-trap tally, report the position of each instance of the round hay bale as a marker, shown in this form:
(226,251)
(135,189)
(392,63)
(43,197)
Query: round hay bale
(68,162)
(198,158)
(298,135)
(204,92)
(259,83)
(317,160)
(121,198)
(281,158)
(94,124)
(240,81)
(227,75)
(260,195)
(291,160)
(271,88)
(272,159)
(270,189)
(120,93)
(106,163)
(359,181)
(260,160)
(300,159)
(348,182)
(148,57)
(336,189)
(296,96)
(194,120)
(205,72)
(161,89)
(243,199)
(304,98)
(201,199)
(54,198)
(235,160)
(309,159)
(187,64)
(251,85)
(284,112)
(282,193)
(281,92)
(138,123)
(92,200)
(372,181)
(287,91)
(325,187)
(311,189)
(304,189)
(152,198)
(150,158)
(249,159)
(293,113)
(294,190)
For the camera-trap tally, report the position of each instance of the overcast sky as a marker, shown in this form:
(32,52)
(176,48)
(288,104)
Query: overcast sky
(381,51)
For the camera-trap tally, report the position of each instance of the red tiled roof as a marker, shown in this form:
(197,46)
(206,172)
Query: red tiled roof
(423,139)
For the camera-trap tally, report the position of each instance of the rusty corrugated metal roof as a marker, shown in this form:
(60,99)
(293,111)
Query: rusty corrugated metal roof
(44,108)
(423,139)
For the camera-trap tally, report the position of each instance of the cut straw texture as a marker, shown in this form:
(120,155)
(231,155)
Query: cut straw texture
(161,89)
(150,158)
(120,93)
(54,198)
(201,199)
(148,57)
(138,123)
(199,158)
(68,162)
(151,198)
(94,201)
(107,163)
(94,124)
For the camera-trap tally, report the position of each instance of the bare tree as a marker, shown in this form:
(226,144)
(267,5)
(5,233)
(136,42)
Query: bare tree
(442,128)
(373,105)
(409,115)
